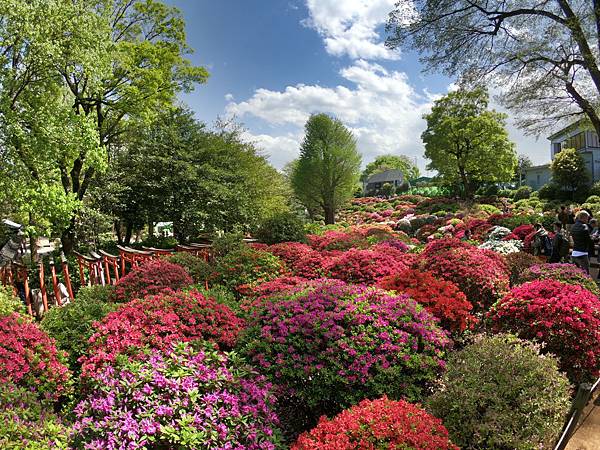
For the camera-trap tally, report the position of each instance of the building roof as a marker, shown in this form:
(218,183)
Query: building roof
(541,166)
(386,176)
(568,128)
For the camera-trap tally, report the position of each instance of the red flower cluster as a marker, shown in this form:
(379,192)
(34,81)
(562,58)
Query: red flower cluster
(28,358)
(481,275)
(566,318)
(151,277)
(301,259)
(363,266)
(157,321)
(522,231)
(374,424)
(441,298)
(338,240)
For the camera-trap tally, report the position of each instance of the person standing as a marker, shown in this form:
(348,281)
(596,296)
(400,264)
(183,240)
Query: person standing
(560,244)
(580,233)
(563,217)
(570,219)
(542,246)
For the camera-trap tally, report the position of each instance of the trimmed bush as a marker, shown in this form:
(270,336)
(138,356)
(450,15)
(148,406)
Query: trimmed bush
(29,359)
(186,398)
(381,423)
(565,318)
(441,298)
(522,193)
(28,422)
(363,266)
(565,273)
(9,303)
(158,321)
(286,227)
(328,345)
(301,259)
(499,393)
(150,278)
(199,269)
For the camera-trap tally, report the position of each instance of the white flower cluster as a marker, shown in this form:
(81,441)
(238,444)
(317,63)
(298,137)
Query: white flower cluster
(503,247)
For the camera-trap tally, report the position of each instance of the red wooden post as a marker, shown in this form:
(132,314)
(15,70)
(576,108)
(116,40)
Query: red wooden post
(55,284)
(43,286)
(81,274)
(25,276)
(65,269)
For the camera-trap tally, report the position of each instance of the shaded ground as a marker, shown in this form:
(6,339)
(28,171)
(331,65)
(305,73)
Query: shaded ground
(587,435)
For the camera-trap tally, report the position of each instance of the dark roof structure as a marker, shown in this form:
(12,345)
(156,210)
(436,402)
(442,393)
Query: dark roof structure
(387,176)
(11,238)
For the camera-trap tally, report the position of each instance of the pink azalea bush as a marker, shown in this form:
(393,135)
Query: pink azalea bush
(330,344)
(482,275)
(565,273)
(181,398)
(158,321)
(363,266)
(29,358)
(301,259)
(566,318)
(151,277)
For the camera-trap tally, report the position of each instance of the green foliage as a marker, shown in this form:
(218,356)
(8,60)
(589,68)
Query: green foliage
(569,171)
(198,268)
(246,268)
(227,243)
(285,227)
(28,423)
(549,191)
(71,325)
(500,393)
(522,193)
(488,209)
(220,294)
(467,143)
(595,189)
(9,303)
(327,171)
(386,162)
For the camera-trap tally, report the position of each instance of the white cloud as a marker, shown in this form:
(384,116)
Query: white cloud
(382,109)
(350,27)
(229,97)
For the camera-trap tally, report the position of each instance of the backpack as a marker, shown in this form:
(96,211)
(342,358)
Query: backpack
(563,245)
(546,245)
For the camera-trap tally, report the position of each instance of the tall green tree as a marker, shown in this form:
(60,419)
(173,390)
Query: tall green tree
(75,76)
(200,179)
(569,171)
(385,162)
(523,163)
(466,143)
(543,55)
(328,167)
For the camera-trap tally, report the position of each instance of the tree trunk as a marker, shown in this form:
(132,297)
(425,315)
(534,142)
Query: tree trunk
(67,239)
(150,228)
(118,232)
(329,215)
(465,182)
(128,233)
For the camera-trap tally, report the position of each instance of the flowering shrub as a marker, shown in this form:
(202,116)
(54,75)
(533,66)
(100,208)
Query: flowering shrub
(9,303)
(330,344)
(363,266)
(391,245)
(181,399)
(565,273)
(274,287)
(338,240)
(480,274)
(522,231)
(28,422)
(502,247)
(499,393)
(72,324)
(441,298)
(566,318)
(498,233)
(151,277)
(157,321)
(247,267)
(301,259)
(517,263)
(29,359)
(381,423)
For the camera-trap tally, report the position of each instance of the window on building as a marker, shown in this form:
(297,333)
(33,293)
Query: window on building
(538,180)
(556,148)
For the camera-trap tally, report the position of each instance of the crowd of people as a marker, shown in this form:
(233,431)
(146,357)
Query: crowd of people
(578,232)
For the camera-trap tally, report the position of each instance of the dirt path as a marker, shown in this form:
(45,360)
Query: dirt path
(587,435)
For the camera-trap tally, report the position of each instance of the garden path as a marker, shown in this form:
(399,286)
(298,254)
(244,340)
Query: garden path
(587,436)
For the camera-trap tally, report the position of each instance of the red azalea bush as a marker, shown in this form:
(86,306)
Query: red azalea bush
(329,344)
(566,318)
(374,424)
(565,273)
(363,266)
(151,277)
(522,231)
(301,260)
(480,274)
(29,359)
(289,252)
(157,321)
(338,240)
(441,298)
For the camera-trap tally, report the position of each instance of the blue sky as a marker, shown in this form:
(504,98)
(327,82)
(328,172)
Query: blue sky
(274,62)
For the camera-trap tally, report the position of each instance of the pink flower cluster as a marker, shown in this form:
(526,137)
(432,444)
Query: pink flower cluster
(363,266)
(566,318)
(158,321)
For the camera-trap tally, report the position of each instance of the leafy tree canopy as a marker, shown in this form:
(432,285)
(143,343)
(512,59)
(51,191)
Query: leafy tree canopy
(569,170)
(386,162)
(467,143)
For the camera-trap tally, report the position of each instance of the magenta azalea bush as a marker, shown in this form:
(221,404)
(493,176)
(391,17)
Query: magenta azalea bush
(183,398)
(565,318)
(330,344)
(565,273)
(363,266)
